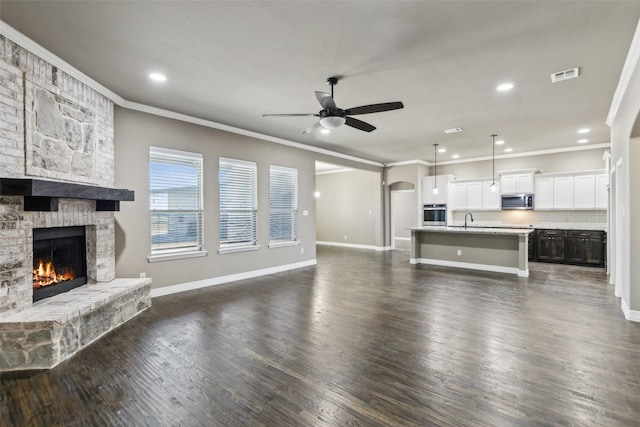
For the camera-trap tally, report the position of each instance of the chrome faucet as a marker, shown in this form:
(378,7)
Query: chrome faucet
(465,218)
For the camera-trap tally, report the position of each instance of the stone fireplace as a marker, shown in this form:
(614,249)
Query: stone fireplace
(56,200)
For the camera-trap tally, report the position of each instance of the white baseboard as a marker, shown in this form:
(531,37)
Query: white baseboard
(354,245)
(471,266)
(632,315)
(182,287)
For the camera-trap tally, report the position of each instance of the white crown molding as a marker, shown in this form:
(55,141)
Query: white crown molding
(409,162)
(214,125)
(335,171)
(630,64)
(35,48)
(504,156)
(530,153)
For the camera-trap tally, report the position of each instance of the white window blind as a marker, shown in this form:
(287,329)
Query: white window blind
(238,203)
(175,187)
(283,204)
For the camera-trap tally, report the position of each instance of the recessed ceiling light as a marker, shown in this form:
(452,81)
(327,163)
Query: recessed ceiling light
(499,142)
(504,87)
(584,130)
(583,141)
(508,150)
(325,131)
(157,77)
(442,150)
(452,130)
(456,156)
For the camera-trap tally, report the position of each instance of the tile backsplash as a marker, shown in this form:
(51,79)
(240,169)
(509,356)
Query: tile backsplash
(567,219)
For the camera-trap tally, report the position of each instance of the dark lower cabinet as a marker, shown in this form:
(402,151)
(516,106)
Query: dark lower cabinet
(580,247)
(550,245)
(532,246)
(586,247)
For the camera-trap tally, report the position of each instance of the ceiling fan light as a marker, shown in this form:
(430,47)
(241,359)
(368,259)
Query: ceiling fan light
(332,122)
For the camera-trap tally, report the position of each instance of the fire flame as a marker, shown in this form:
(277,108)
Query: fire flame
(45,274)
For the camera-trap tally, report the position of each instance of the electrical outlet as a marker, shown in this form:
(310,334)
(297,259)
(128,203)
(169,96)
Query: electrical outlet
(459,252)
(345,237)
(301,251)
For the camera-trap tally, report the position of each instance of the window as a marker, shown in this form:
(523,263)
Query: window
(238,205)
(175,188)
(283,205)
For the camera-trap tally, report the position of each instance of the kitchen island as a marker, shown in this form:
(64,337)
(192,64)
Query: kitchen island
(503,250)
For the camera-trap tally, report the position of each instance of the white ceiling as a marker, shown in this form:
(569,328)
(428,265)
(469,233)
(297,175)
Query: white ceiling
(231,62)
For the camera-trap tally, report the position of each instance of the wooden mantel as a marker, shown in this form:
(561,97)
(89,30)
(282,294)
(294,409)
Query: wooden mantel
(43,195)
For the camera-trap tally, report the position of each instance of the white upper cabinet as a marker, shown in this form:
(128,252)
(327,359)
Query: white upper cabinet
(458,199)
(602,192)
(508,184)
(490,199)
(516,183)
(587,190)
(543,198)
(429,182)
(563,192)
(584,192)
(577,190)
(474,195)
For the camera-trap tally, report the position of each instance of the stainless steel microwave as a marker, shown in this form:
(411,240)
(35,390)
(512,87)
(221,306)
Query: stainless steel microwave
(518,201)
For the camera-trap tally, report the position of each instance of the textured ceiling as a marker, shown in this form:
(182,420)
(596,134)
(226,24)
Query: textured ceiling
(230,62)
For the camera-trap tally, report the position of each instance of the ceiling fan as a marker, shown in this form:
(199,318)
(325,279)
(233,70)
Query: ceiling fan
(332,117)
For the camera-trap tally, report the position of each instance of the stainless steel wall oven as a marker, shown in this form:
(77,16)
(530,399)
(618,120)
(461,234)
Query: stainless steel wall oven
(434,214)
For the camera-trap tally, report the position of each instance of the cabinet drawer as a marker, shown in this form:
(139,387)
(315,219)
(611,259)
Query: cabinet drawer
(586,234)
(551,233)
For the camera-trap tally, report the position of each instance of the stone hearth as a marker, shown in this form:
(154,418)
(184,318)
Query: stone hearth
(52,330)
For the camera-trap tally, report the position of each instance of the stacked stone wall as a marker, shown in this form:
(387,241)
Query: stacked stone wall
(16,245)
(52,126)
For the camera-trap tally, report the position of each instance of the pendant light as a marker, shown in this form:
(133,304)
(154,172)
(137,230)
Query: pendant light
(435,169)
(493,186)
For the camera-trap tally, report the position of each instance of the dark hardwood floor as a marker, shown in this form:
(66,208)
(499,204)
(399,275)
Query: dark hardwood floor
(363,339)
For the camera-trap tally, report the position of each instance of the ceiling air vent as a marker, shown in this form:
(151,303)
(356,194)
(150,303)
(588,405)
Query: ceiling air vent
(565,75)
(452,130)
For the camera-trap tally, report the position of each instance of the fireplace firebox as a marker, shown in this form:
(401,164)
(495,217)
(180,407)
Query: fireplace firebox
(59,260)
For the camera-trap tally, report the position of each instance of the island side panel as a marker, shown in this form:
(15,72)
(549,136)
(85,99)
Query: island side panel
(482,249)
(523,261)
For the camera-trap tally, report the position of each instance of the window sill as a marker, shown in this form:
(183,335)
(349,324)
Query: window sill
(234,249)
(284,244)
(176,255)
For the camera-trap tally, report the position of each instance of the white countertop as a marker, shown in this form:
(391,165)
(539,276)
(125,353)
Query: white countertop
(472,230)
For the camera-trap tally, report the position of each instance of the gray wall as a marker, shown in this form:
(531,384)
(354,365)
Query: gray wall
(403,176)
(626,179)
(545,163)
(350,204)
(135,132)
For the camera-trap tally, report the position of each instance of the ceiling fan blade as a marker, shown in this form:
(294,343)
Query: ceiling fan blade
(312,128)
(359,124)
(288,115)
(374,108)
(326,101)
